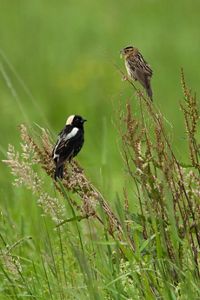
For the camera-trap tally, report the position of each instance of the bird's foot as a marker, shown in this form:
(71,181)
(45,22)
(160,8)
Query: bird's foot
(124,78)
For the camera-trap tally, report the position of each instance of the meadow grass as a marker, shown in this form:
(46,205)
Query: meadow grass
(94,251)
(125,223)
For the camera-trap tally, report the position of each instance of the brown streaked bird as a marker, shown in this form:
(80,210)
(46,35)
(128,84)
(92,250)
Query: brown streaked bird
(137,68)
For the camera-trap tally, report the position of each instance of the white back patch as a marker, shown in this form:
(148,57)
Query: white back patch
(70,120)
(71,134)
(55,155)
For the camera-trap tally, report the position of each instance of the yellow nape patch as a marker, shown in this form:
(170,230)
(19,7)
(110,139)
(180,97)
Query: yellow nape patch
(70,120)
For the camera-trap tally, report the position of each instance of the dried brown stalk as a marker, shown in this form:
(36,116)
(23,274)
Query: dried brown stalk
(38,151)
(152,164)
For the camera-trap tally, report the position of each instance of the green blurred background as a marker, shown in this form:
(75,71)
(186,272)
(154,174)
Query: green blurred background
(57,58)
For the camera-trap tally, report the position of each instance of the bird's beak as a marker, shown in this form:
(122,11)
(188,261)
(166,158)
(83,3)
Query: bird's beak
(121,53)
(84,120)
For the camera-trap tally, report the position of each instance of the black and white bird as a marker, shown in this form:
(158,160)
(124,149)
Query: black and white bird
(69,143)
(137,68)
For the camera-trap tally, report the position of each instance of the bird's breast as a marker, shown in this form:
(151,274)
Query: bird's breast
(128,68)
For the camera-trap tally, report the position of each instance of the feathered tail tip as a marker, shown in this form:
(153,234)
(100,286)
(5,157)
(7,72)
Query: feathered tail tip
(149,93)
(58,172)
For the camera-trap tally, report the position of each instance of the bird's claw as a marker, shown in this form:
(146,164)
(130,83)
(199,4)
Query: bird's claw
(124,78)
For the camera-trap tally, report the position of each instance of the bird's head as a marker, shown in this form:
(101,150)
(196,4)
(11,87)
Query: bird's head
(127,51)
(75,120)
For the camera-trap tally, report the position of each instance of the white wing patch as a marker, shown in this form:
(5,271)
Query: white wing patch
(71,134)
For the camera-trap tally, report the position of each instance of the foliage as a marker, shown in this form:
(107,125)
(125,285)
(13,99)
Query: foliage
(92,250)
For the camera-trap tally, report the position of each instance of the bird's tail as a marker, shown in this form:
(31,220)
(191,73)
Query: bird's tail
(58,172)
(149,92)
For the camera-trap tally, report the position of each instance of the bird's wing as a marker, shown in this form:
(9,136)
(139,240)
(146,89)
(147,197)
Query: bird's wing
(58,140)
(142,77)
(141,70)
(142,65)
(68,134)
(68,143)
